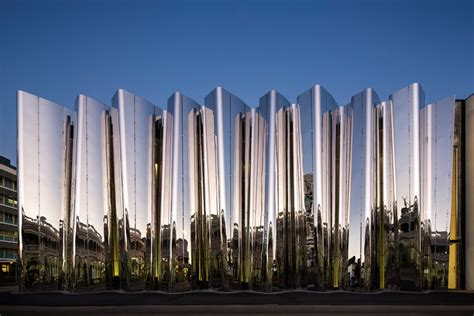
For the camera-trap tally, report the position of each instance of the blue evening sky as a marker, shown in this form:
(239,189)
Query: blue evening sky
(57,49)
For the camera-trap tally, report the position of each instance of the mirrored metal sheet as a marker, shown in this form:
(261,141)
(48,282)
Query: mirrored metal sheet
(341,156)
(248,239)
(161,217)
(197,217)
(281,257)
(437,125)
(114,228)
(46,158)
(405,107)
(206,230)
(136,116)
(291,227)
(90,263)
(317,104)
(385,235)
(228,112)
(179,196)
(362,192)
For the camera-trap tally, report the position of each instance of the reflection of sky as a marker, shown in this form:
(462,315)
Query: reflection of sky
(137,113)
(90,191)
(51,118)
(442,163)
(362,168)
(180,202)
(43,158)
(231,107)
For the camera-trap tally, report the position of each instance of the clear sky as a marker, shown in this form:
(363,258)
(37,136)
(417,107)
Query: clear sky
(57,49)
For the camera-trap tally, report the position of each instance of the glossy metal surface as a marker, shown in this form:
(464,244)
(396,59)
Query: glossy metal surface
(89,261)
(98,206)
(269,105)
(222,196)
(201,250)
(326,134)
(161,216)
(46,133)
(405,111)
(385,253)
(229,123)
(137,120)
(362,191)
(437,128)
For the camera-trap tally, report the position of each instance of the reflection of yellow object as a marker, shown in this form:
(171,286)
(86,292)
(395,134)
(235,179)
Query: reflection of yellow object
(454,233)
(5,267)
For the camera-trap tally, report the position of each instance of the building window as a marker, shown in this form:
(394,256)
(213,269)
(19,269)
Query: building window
(8,218)
(8,236)
(8,253)
(8,201)
(7,183)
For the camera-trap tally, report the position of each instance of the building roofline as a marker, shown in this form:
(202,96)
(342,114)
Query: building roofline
(4,161)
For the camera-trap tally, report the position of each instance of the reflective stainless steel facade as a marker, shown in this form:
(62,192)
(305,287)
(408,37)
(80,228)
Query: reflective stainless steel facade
(363,212)
(220,195)
(139,122)
(98,200)
(405,115)
(437,122)
(234,122)
(326,135)
(46,138)
(198,224)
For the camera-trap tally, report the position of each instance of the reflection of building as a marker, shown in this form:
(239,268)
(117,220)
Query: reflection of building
(90,257)
(8,223)
(43,253)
